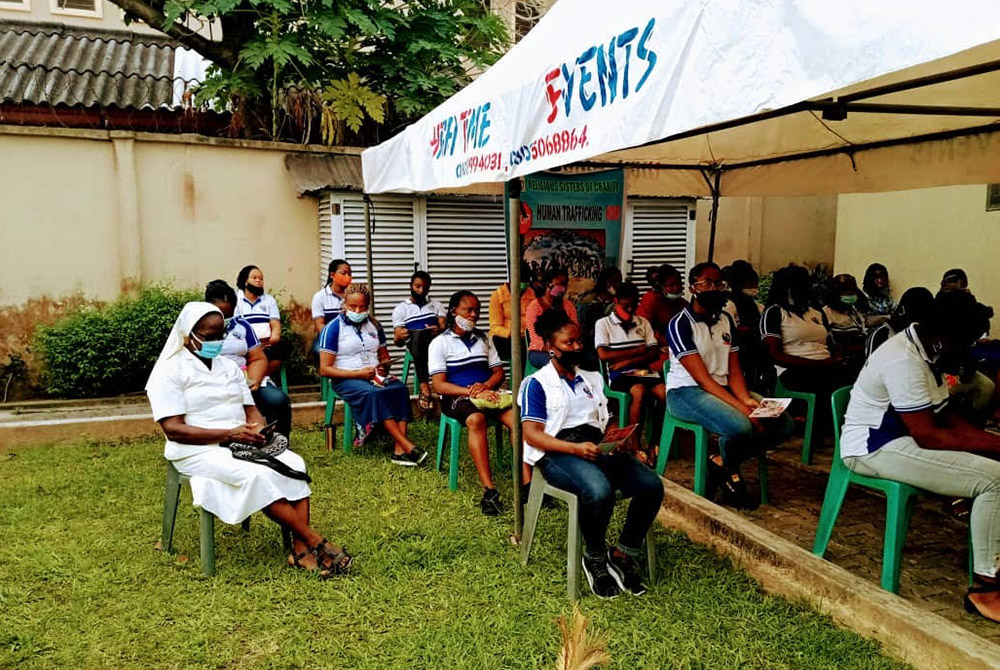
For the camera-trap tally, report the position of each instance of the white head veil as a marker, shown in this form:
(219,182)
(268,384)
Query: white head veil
(189,316)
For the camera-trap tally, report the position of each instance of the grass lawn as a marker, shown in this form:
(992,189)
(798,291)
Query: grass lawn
(436,584)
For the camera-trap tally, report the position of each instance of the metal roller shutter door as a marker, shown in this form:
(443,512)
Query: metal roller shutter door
(660,234)
(466,247)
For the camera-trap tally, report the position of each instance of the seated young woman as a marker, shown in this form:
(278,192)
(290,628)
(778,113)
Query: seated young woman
(242,347)
(553,297)
(353,355)
(202,403)
(415,322)
(467,372)
(878,295)
(327,303)
(563,415)
(900,425)
(845,313)
(260,310)
(706,386)
(626,342)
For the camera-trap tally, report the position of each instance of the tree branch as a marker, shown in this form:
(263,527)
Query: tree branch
(218,52)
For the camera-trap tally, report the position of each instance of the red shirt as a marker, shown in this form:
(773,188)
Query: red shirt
(658,310)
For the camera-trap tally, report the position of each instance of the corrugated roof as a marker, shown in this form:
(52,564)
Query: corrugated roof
(312,173)
(54,64)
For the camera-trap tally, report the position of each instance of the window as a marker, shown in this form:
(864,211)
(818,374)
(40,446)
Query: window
(19,5)
(88,8)
(992,197)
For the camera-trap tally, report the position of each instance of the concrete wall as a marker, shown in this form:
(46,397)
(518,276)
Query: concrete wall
(919,235)
(95,212)
(770,232)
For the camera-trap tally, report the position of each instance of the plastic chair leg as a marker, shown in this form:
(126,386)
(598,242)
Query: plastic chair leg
(666,444)
(897,521)
(808,434)
(531,511)
(762,478)
(207,543)
(348,428)
(286,539)
(836,489)
(456,441)
(171,499)
(442,433)
(574,552)
(284,380)
(700,462)
(245,525)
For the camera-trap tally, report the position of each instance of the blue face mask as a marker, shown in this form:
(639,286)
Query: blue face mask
(209,349)
(357,317)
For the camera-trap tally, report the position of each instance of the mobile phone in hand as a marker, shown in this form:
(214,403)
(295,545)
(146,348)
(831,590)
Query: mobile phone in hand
(268,430)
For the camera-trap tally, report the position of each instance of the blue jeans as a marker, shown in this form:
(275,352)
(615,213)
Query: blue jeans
(696,405)
(595,483)
(275,406)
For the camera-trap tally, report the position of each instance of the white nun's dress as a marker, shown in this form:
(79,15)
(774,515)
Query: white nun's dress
(182,385)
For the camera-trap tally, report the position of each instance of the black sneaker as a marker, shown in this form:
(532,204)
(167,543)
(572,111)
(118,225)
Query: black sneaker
(601,582)
(625,573)
(417,456)
(403,460)
(490,504)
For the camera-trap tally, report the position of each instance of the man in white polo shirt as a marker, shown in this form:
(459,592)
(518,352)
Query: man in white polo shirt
(415,322)
(898,427)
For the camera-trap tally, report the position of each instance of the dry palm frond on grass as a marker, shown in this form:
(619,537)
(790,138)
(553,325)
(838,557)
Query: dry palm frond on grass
(581,649)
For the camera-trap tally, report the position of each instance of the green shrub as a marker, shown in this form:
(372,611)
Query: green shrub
(109,350)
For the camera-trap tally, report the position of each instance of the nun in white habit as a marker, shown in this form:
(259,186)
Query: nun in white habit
(202,403)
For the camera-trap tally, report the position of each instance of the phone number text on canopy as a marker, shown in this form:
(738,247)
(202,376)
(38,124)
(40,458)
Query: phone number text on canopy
(480,163)
(550,145)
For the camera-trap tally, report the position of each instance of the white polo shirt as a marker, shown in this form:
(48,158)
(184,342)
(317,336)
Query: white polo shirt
(355,347)
(803,336)
(898,378)
(583,408)
(239,340)
(688,334)
(464,359)
(258,313)
(417,317)
(609,332)
(326,304)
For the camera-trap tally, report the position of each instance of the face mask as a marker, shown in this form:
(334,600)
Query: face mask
(357,317)
(622,314)
(557,291)
(209,349)
(568,359)
(256,290)
(752,292)
(673,296)
(848,299)
(712,301)
(467,325)
(612,290)
(342,281)
(418,298)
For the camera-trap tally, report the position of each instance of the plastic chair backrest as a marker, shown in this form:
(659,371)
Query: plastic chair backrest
(604,371)
(666,368)
(839,401)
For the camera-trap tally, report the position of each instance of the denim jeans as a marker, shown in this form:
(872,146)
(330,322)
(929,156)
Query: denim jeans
(696,405)
(275,406)
(595,483)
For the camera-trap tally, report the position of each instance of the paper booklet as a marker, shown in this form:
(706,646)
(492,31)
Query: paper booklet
(615,438)
(771,408)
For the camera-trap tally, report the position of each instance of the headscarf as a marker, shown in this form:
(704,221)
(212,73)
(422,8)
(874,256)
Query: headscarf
(190,315)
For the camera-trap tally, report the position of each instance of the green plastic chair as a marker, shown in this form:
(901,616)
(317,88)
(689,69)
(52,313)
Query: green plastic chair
(623,398)
(899,499)
(529,369)
(331,404)
(574,540)
(671,424)
(452,427)
(284,381)
(810,399)
(171,500)
(407,362)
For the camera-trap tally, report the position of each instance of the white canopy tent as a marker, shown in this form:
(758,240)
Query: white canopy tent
(722,97)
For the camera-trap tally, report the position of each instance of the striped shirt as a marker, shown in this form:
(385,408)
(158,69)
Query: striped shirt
(609,332)
(239,340)
(412,316)
(689,334)
(258,313)
(535,310)
(464,359)
(877,338)
(326,304)
(355,347)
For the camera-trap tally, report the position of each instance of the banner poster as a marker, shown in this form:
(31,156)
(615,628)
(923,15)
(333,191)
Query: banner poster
(572,222)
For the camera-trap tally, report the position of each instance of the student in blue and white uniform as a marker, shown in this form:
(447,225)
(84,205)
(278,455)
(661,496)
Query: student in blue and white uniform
(915,305)
(563,414)
(260,309)
(327,303)
(415,322)
(465,366)
(705,384)
(353,355)
(242,347)
(899,426)
(625,342)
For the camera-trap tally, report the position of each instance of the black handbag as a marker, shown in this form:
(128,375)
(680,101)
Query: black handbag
(266,455)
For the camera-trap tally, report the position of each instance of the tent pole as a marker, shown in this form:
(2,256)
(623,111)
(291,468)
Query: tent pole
(714,185)
(368,251)
(517,352)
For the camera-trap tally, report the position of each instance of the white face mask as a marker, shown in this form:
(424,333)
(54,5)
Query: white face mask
(357,317)
(467,325)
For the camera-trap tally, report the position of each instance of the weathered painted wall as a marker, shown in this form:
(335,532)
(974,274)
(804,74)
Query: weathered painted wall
(919,235)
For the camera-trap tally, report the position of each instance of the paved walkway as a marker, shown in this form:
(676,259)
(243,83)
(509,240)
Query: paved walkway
(935,559)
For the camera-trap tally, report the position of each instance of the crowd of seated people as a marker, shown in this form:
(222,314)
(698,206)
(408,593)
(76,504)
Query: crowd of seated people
(704,349)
